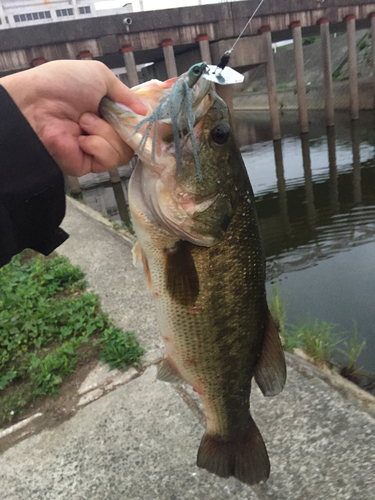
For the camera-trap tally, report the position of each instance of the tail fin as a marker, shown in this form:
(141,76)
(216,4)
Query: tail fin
(245,458)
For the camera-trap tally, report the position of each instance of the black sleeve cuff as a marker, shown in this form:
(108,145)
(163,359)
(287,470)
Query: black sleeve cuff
(32,199)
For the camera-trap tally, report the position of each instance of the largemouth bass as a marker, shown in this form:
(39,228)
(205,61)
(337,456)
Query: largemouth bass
(201,250)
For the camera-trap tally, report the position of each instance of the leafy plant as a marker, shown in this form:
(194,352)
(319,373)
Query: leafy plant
(120,349)
(278,311)
(45,317)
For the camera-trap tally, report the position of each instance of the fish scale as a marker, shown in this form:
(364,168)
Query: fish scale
(202,253)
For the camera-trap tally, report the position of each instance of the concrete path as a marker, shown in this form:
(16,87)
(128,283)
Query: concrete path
(139,441)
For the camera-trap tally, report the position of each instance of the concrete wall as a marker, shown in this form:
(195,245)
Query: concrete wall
(287,98)
(106,35)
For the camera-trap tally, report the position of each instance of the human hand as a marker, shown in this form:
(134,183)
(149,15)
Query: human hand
(60,100)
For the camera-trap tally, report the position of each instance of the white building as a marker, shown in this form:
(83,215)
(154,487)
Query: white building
(17,13)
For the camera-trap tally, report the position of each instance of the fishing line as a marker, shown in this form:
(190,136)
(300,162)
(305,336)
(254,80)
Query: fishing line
(225,57)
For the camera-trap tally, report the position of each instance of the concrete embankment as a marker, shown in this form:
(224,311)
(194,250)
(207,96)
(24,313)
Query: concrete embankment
(287,98)
(138,440)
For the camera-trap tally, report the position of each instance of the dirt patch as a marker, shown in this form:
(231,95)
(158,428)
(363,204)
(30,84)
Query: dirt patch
(55,410)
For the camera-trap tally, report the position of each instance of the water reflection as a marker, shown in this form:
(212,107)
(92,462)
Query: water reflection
(315,198)
(317,216)
(319,209)
(333,185)
(306,159)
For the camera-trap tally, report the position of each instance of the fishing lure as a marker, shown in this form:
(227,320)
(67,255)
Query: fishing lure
(178,108)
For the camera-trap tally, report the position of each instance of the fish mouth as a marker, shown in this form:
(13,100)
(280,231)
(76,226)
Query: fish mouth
(172,116)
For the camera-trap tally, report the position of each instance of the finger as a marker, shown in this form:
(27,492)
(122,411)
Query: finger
(119,92)
(103,155)
(95,126)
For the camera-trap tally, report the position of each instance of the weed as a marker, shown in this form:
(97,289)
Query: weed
(309,40)
(45,317)
(278,311)
(353,350)
(317,339)
(119,348)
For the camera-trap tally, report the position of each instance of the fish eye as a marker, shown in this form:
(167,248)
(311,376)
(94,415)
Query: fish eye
(220,134)
(196,70)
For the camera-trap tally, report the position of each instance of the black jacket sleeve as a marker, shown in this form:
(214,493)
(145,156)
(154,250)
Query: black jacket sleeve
(32,199)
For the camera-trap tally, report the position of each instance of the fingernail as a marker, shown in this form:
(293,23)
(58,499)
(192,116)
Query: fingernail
(87,118)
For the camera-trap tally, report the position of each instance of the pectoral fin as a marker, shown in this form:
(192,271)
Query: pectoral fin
(181,275)
(270,370)
(140,261)
(137,256)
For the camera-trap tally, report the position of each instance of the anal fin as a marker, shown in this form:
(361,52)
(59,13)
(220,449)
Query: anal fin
(168,373)
(181,275)
(270,370)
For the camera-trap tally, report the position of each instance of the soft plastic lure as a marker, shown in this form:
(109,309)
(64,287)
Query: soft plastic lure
(178,108)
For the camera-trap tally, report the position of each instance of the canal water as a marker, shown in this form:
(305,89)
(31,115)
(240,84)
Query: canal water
(315,197)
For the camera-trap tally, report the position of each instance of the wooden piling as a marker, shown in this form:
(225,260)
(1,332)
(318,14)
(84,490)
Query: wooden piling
(352,55)
(327,70)
(131,67)
(300,76)
(169,58)
(271,83)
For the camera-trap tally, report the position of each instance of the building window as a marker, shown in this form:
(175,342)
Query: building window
(85,10)
(64,12)
(32,17)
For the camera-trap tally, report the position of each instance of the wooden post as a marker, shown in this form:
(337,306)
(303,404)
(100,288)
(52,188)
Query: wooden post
(226,93)
(352,55)
(131,67)
(84,55)
(170,60)
(327,69)
(300,76)
(204,48)
(271,83)
(73,184)
(114,175)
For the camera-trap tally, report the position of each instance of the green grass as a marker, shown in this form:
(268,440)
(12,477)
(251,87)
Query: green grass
(48,324)
(318,339)
(353,350)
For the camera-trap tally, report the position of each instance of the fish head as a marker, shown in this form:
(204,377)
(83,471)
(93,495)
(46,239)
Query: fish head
(204,199)
(186,175)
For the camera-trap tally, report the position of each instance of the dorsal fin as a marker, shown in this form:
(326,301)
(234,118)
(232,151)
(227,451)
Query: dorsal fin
(270,370)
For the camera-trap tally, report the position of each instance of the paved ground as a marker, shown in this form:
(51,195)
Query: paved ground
(139,441)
